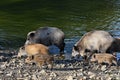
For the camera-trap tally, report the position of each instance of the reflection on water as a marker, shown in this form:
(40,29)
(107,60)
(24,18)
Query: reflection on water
(18,17)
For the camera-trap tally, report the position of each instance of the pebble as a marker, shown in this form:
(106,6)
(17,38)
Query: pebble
(26,74)
(50,78)
(84,78)
(53,74)
(103,68)
(1,72)
(3,66)
(109,78)
(91,75)
(62,65)
(75,75)
(43,72)
(20,79)
(69,77)
(34,77)
(9,74)
(16,68)
(80,74)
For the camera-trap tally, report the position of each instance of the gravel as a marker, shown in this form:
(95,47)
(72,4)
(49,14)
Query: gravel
(13,68)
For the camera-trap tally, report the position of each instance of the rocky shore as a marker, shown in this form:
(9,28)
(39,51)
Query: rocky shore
(13,68)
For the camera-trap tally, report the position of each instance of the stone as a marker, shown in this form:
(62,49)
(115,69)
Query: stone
(80,74)
(81,70)
(26,74)
(9,74)
(50,78)
(52,74)
(91,75)
(3,66)
(20,79)
(74,74)
(34,77)
(69,77)
(62,65)
(103,68)
(84,78)
(1,72)
(43,72)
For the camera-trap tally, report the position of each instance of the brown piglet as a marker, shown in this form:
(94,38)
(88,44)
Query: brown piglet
(40,59)
(104,58)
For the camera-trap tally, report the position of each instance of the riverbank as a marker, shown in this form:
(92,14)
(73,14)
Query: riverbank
(12,68)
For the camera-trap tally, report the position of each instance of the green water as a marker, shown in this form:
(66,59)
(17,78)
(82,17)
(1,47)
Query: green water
(74,17)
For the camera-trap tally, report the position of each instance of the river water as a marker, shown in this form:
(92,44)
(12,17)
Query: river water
(74,17)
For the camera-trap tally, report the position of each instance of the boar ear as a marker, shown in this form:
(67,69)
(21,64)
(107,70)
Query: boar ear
(114,54)
(32,34)
(75,47)
(23,47)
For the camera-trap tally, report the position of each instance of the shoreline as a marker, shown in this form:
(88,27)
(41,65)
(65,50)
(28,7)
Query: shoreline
(12,68)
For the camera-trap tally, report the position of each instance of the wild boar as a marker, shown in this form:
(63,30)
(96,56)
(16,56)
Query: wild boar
(21,52)
(40,59)
(47,36)
(93,41)
(32,49)
(104,58)
(115,46)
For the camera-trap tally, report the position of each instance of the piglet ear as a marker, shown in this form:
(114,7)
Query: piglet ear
(23,47)
(31,57)
(94,56)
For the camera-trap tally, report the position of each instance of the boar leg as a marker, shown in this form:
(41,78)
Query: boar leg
(115,62)
(100,64)
(62,48)
(51,64)
(40,64)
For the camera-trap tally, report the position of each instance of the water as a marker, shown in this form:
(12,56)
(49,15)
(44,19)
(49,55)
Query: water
(74,17)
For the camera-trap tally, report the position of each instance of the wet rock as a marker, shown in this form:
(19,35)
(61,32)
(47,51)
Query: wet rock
(62,65)
(58,66)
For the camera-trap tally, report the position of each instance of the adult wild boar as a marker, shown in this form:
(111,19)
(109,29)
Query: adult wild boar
(115,46)
(93,41)
(47,36)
